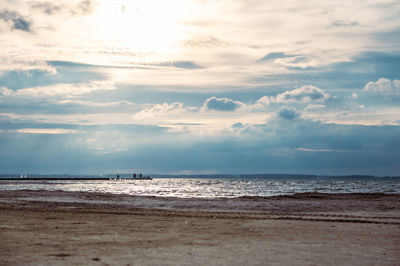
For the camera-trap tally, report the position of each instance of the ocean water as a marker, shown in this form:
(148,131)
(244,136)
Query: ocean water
(210,188)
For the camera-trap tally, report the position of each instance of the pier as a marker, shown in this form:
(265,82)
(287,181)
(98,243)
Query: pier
(53,178)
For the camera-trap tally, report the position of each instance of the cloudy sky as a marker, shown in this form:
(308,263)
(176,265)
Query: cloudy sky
(200,87)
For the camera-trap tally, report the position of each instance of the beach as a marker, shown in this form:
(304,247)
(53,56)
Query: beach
(76,228)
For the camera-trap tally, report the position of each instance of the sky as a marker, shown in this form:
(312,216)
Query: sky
(200,87)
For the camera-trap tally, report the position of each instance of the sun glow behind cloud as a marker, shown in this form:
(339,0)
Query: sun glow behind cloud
(142,26)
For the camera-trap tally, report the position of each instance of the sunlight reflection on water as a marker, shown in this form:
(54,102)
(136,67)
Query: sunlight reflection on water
(208,188)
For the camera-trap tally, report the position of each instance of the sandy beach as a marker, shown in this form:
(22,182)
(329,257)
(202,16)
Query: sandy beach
(72,228)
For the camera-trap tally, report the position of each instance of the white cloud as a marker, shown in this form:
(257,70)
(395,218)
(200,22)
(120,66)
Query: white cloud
(315,107)
(215,116)
(354,116)
(96,104)
(114,118)
(226,37)
(20,64)
(262,103)
(160,110)
(51,131)
(383,85)
(65,90)
(318,150)
(296,62)
(5,91)
(306,93)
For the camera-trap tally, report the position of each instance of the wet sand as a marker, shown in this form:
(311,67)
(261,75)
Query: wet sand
(67,228)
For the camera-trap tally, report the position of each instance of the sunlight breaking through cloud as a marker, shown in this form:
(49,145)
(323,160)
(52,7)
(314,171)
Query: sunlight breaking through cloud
(257,83)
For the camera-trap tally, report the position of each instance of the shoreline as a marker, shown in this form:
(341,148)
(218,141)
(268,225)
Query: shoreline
(63,228)
(352,207)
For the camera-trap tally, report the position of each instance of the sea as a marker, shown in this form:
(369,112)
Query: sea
(211,187)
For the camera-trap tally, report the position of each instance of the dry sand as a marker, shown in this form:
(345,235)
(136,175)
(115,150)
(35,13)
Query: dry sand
(70,228)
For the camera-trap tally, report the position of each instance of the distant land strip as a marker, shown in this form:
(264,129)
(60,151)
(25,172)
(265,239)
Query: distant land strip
(210,176)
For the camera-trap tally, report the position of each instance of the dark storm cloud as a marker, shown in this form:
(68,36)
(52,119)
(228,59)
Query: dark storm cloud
(372,63)
(289,61)
(287,113)
(299,146)
(341,23)
(49,8)
(181,64)
(138,130)
(25,79)
(46,7)
(237,125)
(273,56)
(17,21)
(174,64)
(389,37)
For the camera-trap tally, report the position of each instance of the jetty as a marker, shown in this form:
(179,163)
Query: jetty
(74,178)
(52,178)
